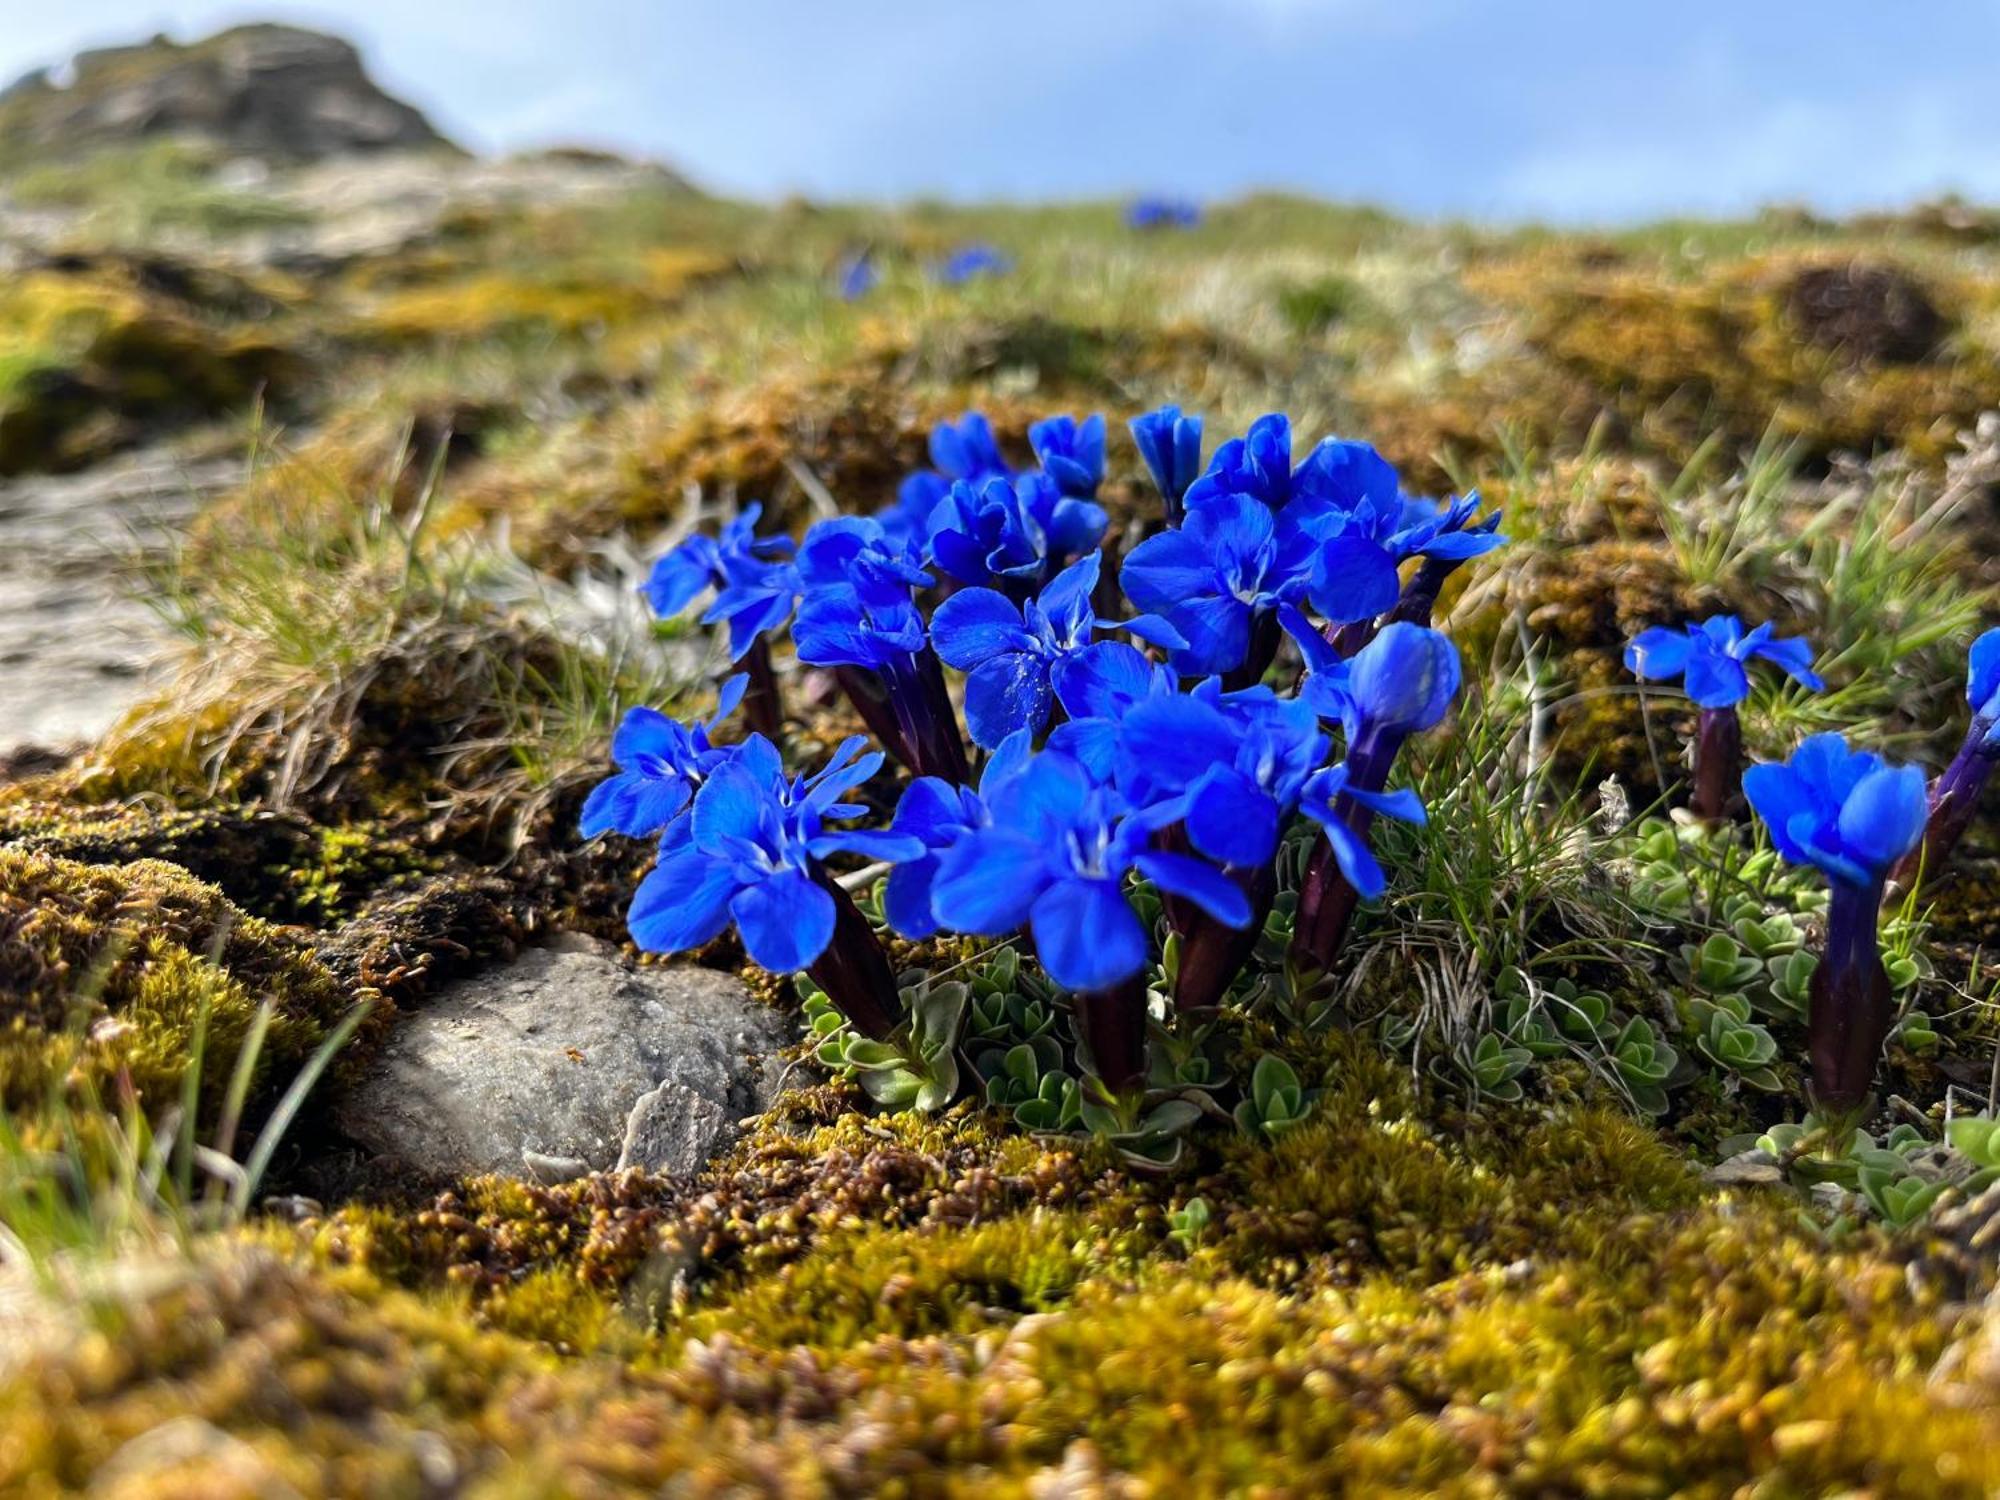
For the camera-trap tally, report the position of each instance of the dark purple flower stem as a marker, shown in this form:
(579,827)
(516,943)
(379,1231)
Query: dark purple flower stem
(763,708)
(1211,954)
(854,970)
(1954,799)
(1112,1026)
(1420,594)
(922,705)
(1850,1008)
(868,690)
(1265,634)
(1718,764)
(1349,638)
(1327,901)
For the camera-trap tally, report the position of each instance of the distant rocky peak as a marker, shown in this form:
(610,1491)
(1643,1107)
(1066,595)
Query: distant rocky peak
(276,92)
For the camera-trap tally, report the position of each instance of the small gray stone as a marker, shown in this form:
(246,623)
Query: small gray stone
(1746,1169)
(570,1060)
(673,1130)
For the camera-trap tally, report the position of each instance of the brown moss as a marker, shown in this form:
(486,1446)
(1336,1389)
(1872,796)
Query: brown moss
(1749,347)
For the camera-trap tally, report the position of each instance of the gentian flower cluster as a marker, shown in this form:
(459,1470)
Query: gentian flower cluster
(1712,660)
(1852,816)
(1161,761)
(1163,213)
(969,262)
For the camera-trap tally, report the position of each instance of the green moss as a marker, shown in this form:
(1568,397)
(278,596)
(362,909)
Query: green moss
(106,972)
(280,867)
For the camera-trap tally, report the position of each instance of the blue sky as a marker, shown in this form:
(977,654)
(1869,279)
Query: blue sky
(1576,110)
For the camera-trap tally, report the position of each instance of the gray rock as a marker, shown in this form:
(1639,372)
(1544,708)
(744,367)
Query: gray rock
(77,646)
(276,92)
(566,1061)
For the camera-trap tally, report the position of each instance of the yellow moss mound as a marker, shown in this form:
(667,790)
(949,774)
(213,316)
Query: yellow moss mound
(106,972)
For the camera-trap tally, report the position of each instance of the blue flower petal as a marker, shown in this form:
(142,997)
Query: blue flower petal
(1354,579)
(1884,816)
(1715,680)
(682,903)
(1197,881)
(1007,693)
(785,921)
(987,882)
(1087,935)
(974,625)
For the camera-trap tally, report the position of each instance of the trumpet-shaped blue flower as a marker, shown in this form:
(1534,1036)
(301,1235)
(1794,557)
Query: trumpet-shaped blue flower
(1011,651)
(661,765)
(1231,564)
(1854,817)
(1163,213)
(1054,859)
(1350,498)
(1982,687)
(1258,464)
(937,814)
(966,449)
(1011,533)
(1324,799)
(1071,452)
(1097,685)
(969,262)
(1171,446)
(1955,796)
(1712,658)
(1229,767)
(857,277)
(860,608)
(703,562)
(1848,813)
(752,856)
(1399,684)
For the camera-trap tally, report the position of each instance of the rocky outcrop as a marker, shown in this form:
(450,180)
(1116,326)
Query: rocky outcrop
(569,1061)
(274,92)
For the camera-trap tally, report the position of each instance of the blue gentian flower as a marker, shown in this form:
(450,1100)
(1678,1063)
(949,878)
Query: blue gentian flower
(1218,578)
(1982,686)
(1854,817)
(1350,498)
(1846,812)
(1955,796)
(966,449)
(1071,452)
(1054,859)
(704,562)
(1097,686)
(938,813)
(1711,658)
(1229,767)
(857,277)
(1399,684)
(860,608)
(752,856)
(907,519)
(971,261)
(661,764)
(1010,534)
(1258,464)
(1171,446)
(1011,651)
(861,619)
(1163,213)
